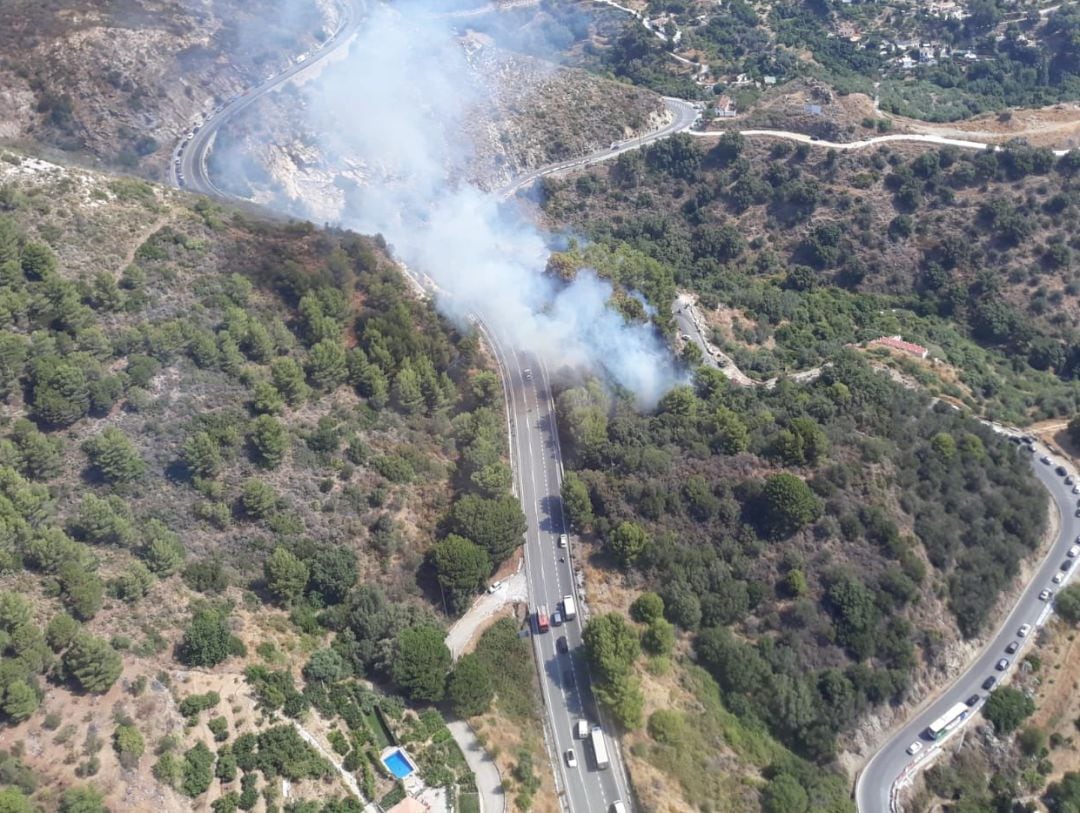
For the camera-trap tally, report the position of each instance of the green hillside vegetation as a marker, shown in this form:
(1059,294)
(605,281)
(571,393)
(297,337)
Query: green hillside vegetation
(250,418)
(968,253)
(806,538)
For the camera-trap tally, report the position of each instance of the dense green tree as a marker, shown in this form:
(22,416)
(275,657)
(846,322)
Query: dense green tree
(1064,796)
(258,499)
(12,800)
(647,608)
(789,504)
(202,455)
(60,392)
(326,666)
(495,525)
(129,745)
(420,663)
(326,365)
(1074,429)
(406,391)
(1007,708)
(61,631)
(270,439)
(19,700)
(611,645)
(1067,603)
(784,794)
(198,770)
(39,454)
(207,640)
(286,575)
(575,495)
(92,663)
(162,550)
(333,573)
(38,261)
(627,542)
(659,637)
(81,589)
(105,521)
(462,567)
(288,378)
(266,400)
(470,687)
(133,583)
(82,800)
(114,456)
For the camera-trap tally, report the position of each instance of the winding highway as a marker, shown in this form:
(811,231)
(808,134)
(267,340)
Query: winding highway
(893,766)
(536,456)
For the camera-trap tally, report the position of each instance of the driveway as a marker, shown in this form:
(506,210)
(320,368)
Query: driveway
(513,590)
(488,783)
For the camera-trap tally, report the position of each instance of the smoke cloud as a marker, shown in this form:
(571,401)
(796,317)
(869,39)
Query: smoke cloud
(395,107)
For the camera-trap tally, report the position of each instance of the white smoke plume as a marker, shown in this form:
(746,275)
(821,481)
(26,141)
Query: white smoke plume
(397,104)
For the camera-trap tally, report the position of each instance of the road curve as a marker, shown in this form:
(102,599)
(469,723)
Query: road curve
(891,767)
(187,167)
(683,115)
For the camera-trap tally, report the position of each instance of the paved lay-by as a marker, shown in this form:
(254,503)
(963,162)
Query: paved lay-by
(892,764)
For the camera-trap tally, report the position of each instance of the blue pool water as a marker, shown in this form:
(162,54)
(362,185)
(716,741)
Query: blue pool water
(397,763)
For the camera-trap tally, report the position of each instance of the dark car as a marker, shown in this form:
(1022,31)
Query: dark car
(1066,565)
(568,678)
(1028,439)
(1012,647)
(1060,471)
(561,644)
(973,700)
(988,684)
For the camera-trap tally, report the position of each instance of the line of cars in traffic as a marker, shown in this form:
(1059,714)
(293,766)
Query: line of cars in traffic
(959,712)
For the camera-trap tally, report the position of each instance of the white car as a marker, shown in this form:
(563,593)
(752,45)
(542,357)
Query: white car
(914,748)
(1074,551)
(564,540)
(1024,630)
(1058,578)
(1046,595)
(1076,489)
(571,759)
(495,586)
(618,807)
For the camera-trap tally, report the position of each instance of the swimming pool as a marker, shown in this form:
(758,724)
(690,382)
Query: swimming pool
(398,764)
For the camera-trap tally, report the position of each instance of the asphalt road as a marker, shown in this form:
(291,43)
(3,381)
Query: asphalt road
(683,115)
(892,764)
(564,676)
(187,167)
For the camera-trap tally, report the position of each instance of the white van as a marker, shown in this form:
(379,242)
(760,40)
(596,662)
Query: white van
(581,730)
